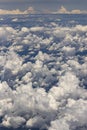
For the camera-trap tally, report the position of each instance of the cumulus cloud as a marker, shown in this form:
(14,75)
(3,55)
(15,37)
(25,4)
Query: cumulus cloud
(14,122)
(63,10)
(17,11)
(76,12)
(30,10)
(43,76)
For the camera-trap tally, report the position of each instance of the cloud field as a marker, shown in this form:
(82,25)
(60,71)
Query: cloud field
(43,77)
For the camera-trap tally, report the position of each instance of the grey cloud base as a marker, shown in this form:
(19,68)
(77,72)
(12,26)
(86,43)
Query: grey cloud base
(43,71)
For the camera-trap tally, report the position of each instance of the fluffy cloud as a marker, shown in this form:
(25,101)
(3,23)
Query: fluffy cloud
(31,10)
(63,10)
(76,12)
(43,76)
(17,11)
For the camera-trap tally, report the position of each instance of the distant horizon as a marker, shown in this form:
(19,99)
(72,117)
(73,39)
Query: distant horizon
(45,14)
(31,10)
(43,6)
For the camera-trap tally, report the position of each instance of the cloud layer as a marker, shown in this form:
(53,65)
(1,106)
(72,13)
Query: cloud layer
(43,76)
(31,10)
(63,10)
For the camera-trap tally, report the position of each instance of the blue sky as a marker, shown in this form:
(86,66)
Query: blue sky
(43,4)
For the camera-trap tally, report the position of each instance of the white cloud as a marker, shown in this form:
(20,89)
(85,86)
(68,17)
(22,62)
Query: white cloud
(47,89)
(14,20)
(76,12)
(68,51)
(59,124)
(17,11)
(35,122)
(14,122)
(31,10)
(36,29)
(63,10)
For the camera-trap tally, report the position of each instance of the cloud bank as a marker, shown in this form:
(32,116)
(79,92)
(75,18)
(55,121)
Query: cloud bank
(31,10)
(63,10)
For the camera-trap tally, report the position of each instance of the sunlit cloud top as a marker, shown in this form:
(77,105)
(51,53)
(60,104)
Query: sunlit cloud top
(31,10)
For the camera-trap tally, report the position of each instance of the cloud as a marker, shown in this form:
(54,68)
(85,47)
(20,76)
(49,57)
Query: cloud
(13,122)
(63,10)
(17,11)
(31,10)
(43,76)
(76,12)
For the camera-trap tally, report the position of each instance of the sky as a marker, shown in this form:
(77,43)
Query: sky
(41,5)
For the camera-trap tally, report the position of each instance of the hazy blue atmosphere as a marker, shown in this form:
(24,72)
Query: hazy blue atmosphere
(43,4)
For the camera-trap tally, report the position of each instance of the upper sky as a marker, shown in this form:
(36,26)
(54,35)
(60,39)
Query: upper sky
(39,5)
